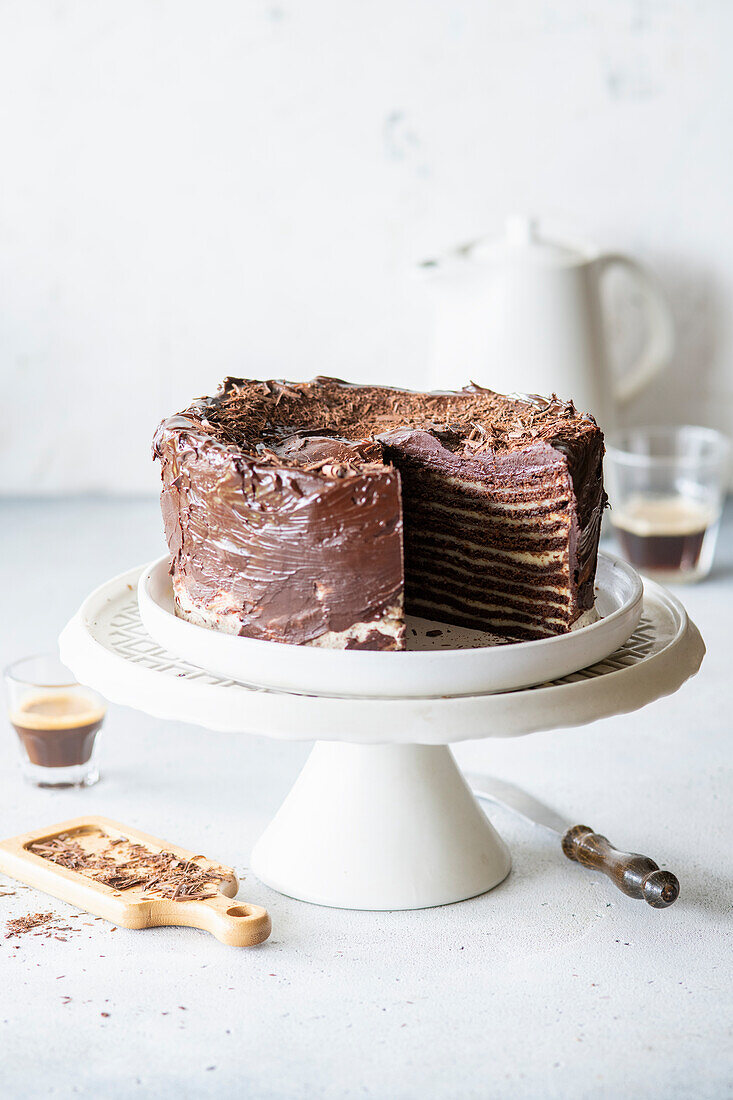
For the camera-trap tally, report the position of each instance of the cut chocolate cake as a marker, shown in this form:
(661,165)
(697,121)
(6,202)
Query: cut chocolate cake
(316,513)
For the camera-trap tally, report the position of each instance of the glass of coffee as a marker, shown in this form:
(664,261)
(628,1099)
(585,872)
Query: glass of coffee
(57,721)
(666,487)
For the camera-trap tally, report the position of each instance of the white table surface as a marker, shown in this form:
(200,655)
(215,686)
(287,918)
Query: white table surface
(552,985)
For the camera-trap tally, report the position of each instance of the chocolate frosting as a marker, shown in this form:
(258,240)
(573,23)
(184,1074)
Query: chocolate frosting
(282,500)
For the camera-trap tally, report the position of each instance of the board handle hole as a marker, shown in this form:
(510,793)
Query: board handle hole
(238,911)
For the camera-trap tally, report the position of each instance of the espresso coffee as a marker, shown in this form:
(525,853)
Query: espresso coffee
(58,730)
(663,534)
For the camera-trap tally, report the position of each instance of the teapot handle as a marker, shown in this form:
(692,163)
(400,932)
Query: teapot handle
(657,353)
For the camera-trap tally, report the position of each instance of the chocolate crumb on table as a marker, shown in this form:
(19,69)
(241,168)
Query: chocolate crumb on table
(20,925)
(46,925)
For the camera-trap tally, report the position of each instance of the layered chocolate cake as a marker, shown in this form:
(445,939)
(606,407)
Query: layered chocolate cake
(316,513)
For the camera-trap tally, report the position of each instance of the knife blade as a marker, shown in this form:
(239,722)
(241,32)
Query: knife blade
(635,875)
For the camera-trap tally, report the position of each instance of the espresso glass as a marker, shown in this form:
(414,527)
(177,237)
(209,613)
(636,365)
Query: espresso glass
(666,487)
(56,721)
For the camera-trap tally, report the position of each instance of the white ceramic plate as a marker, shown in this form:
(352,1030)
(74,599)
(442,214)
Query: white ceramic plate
(452,663)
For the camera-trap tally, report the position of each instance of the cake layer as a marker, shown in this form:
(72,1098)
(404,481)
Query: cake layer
(493,551)
(303,512)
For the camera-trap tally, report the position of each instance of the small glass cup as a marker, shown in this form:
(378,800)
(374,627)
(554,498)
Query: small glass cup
(56,720)
(666,487)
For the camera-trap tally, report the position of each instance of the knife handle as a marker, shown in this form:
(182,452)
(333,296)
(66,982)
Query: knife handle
(635,875)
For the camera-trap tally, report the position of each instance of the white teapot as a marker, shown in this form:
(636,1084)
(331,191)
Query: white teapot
(523,314)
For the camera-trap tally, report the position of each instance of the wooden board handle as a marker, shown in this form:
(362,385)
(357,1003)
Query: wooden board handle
(234,922)
(638,876)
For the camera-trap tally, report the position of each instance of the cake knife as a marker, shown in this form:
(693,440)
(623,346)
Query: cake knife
(635,875)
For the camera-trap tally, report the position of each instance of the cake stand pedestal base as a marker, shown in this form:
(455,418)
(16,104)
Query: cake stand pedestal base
(380,827)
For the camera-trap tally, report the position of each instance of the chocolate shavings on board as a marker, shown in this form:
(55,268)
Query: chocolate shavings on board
(123,864)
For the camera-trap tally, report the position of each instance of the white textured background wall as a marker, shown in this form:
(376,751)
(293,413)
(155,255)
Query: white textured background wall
(190,188)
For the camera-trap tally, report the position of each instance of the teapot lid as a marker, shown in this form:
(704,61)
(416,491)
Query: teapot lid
(522,242)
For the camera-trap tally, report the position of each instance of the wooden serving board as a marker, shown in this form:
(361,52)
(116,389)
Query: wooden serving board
(134,906)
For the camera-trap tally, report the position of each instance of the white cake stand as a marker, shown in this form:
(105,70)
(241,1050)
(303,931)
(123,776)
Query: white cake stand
(380,817)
